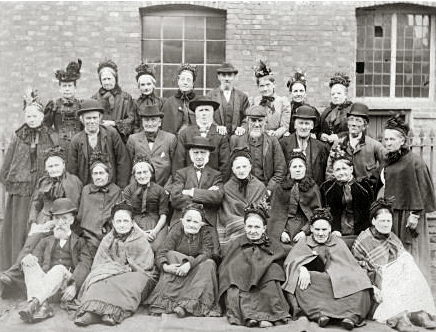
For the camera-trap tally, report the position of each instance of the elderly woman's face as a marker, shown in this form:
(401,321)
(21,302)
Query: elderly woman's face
(142,173)
(107,79)
(393,140)
(338,94)
(298,92)
(146,84)
(297,169)
(33,116)
(266,87)
(320,230)
(55,166)
(122,221)
(186,81)
(241,167)
(383,221)
(100,176)
(192,222)
(254,227)
(342,171)
(67,89)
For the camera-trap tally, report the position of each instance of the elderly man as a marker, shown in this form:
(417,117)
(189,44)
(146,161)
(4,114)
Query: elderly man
(95,137)
(316,152)
(367,152)
(232,102)
(268,164)
(60,262)
(158,145)
(204,108)
(198,183)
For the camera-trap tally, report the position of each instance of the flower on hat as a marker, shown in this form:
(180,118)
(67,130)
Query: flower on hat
(340,78)
(31,97)
(261,70)
(72,72)
(298,77)
(145,69)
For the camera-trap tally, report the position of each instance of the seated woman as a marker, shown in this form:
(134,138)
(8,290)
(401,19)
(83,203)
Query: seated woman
(149,201)
(349,198)
(188,283)
(292,204)
(241,190)
(250,275)
(323,278)
(403,301)
(122,272)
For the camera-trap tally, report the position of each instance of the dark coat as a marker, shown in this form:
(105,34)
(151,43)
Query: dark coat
(248,266)
(219,158)
(317,154)
(162,155)
(239,102)
(309,199)
(80,256)
(173,115)
(16,172)
(340,126)
(112,145)
(363,196)
(274,164)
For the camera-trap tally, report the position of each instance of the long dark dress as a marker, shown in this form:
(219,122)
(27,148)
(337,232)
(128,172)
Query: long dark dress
(197,292)
(334,119)
(22,167)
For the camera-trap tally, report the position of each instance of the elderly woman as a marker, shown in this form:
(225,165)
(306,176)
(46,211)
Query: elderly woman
(323,278)
(177,115)
(405,300)
(250,275)
(123,271)
(349,198)
(292,204)
(406,177)
(188,283)
(97,200)
(146,79)
(297,85)
(23,166)
(241,190)
(119,109)
(279,110)
(149,201)
(334,118)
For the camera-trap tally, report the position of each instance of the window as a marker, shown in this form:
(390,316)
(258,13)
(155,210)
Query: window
(393,52)
(175,34)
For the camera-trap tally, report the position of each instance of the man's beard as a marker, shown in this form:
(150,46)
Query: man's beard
(256,133)
(61,232)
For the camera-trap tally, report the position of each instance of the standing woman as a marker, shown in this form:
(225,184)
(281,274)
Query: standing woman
(61,113)
(149,201)
(119,109)
(279,109)
(22,167)
(405,176)
(146,79)
(297,90)
(334,118)
(177,114)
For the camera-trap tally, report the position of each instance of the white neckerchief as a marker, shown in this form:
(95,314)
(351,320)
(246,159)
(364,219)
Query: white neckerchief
(354,140)
(227,94)
(63,241)
(92,140)
(302,144)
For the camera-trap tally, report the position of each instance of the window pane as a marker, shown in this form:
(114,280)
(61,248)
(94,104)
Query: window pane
(194,27)
(151,50)
(211,77)
(172,51)
(216,28)
(216,52)
(172,27)
(194,52)
(199,80)
(170,76)
(151,27)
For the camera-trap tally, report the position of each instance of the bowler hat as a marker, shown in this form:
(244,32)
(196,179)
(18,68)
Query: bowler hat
(257,111)
(203,100)
(90,105)
(62,205)
(149,111)
(227,68)
(305,112)
(200,142)
(358,109)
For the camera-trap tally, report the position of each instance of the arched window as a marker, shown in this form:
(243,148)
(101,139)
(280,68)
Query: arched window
(175,34)
(395,51)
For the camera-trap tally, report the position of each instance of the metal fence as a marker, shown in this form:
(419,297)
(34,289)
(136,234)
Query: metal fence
(422,143)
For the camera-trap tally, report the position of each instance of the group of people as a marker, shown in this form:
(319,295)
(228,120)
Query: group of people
(261,209)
